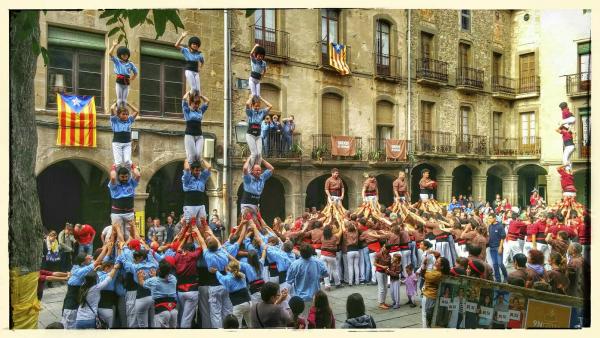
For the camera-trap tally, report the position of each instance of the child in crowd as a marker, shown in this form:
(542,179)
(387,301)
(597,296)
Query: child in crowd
(395,271)
(411,285)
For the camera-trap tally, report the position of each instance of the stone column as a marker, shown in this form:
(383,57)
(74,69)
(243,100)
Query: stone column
(553,187)
(479,187)
(444,188)
(510,188)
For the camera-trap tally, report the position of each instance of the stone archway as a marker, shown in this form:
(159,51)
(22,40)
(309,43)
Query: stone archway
(74,191)
(462,181)
(416,177)
(315,192)
(530,176)
(495,180)
(386,192)
(272,200)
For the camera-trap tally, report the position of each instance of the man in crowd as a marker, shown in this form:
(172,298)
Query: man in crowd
(157,230)
(170,228)
(254,183)
(334,187)
(85,237)
(400,188)
(194,184)
(66,240)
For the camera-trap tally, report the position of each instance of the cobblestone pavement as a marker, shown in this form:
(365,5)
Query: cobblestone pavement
(403,317)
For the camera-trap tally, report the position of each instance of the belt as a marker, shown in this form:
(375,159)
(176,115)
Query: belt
(336,193)
(370,193)
(316,245)
(123,79)
(193,198)
(256,75)
(164,304)
(187,287)
(442,238)
(248,198)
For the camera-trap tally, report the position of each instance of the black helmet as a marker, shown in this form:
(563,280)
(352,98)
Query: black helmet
(123,51)
(194,39)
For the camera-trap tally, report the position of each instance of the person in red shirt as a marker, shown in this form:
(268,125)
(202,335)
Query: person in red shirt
(514,236)
(567,182)
(536,237)
(187,280)
(85,237)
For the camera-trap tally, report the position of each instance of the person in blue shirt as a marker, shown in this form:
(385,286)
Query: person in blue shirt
(254,183)
(123,69)
(120,123)
(253,135)
(287,133)
(142,261)
(122,190)
(237,287)
(83,265)
(163,287)
(194,185)
(265,131)
(304,275)
(258,68)
(193,57)
(193,109)
(108,295)
(254,272)
(216,258)
(496,238)
(454,204)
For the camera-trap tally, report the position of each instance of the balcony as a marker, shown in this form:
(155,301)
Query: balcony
(321,149)
(468,144)
(579,84)
(515,146)
(529,86)
(435,142)
(387,67)
(432,72)
(324,50)
(377,153)
(503,87)
(469,79)
(274,147)
(583,151)
(275,42)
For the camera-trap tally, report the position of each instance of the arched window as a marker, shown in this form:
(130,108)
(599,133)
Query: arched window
(332,114)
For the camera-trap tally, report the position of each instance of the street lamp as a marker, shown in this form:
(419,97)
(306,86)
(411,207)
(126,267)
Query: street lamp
(240,131)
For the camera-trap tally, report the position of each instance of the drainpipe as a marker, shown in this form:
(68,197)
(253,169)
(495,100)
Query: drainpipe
(226,121)
(408,78)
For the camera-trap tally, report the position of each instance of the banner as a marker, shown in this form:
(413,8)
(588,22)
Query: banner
(473,303)
(140,223)
(76,120)
(343,146)
(395,149)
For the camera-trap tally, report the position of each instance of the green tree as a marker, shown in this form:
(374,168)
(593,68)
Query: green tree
(24,221)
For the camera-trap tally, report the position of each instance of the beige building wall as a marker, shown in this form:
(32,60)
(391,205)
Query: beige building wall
(154,151)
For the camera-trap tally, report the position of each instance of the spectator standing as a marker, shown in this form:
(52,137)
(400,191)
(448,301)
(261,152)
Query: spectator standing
(66,240)
(287,133)
(85,237)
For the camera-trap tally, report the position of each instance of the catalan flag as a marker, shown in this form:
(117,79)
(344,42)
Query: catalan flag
(76,121)
(337,58)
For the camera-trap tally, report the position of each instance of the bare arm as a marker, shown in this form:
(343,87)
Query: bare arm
(268,165)
(206,164)
(111,51)
(249,102)
(253,49)
(269,105)
(178,43)
(134,109)
(245,167)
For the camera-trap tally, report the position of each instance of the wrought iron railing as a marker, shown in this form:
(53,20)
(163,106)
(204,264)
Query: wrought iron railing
(469,77)
(377,153)
(275,146)
(515,146)
(579,84)
(387,66)
(529,84)
(503,85)
(434,142)
(432,69)
(321,149)
(276,42)
(471,144)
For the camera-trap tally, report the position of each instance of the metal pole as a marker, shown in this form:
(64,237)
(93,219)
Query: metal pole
(226,120)
(408,79)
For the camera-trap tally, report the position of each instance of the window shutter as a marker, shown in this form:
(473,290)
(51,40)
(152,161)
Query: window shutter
(385,113)
(584,48)
(332,117)
(161,51)
(74,38)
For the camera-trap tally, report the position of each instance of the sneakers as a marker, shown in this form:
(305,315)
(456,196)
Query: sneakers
(413,305)
(384,306)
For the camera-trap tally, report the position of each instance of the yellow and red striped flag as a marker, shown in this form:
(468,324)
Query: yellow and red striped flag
(337,58)
(76,120)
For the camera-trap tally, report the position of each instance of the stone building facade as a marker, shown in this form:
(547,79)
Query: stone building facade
(477,100)
(78,45)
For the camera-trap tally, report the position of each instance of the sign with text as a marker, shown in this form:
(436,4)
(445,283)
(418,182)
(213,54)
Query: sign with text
(544,315)
(343,146)
(395,149)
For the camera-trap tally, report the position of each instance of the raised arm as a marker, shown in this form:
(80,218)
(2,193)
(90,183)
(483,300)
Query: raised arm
(113,175)
(134,109)
(178,42)
(269,105)
(249,102)
(205,99)
(253,49)
(268,165)
(245,167)
(111,51)
(206,165)
(135,172)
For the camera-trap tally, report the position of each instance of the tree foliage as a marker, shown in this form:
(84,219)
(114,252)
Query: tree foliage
(159,18)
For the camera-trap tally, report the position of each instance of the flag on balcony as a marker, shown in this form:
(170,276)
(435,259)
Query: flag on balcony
(76,120)
(343,146)
(395,150)
(337,58)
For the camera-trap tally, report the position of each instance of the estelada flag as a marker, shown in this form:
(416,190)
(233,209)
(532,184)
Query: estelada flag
(337,58)
(76,120)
